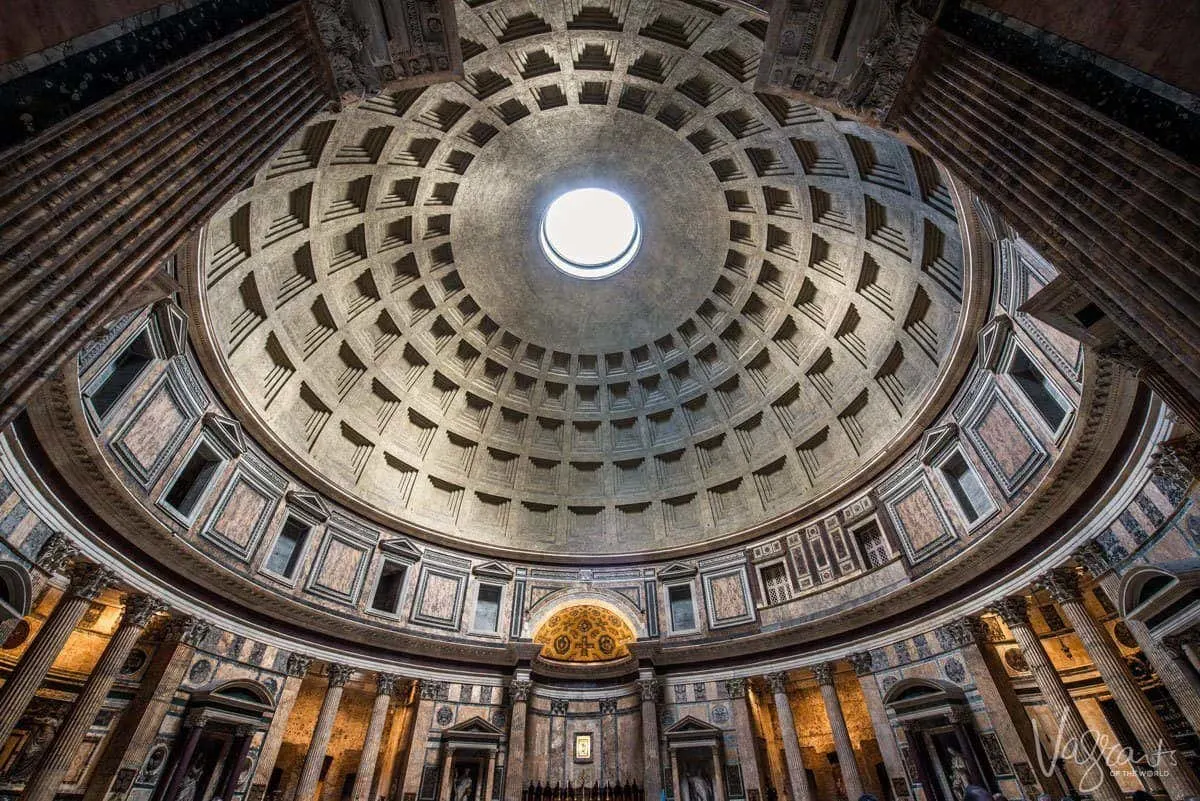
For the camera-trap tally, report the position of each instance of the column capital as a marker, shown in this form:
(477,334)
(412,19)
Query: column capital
(862,662)
(649,688)
(339,674)
(385,683)
(88,580)
(1126,354)
(558,706)
(244,730)
(736,688)
(139,608)
(777,681)
(186,629)
(1013,610)
(608,706)
(1062,583)
(56,553)
(1092,557)
(824,673)
(297,665)
(967,630)
(519,689)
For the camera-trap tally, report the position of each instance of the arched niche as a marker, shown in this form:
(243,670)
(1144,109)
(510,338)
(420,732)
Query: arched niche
(556,601)
(16,591)
(584,633)
(1165,597)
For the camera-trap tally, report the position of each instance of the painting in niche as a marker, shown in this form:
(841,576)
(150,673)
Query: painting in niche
(584,633)
(583,747)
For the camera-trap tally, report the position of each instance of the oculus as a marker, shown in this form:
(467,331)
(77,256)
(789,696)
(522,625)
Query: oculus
(590,233)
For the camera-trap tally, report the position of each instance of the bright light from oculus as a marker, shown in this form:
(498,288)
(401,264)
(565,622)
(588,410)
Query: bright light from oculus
(590,233)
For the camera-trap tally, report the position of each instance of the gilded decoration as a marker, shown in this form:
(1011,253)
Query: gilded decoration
(584,633)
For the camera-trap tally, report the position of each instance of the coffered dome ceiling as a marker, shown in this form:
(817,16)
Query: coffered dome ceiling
(377,308)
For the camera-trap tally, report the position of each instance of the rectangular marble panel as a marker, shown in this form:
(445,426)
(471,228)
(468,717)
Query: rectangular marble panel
(339,568)
(240,516)
(439,597)
(154,430)
(727,596)
(1008,448)
(919,519)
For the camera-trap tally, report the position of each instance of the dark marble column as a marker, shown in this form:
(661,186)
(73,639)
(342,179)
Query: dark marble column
(514,775)
(651,747)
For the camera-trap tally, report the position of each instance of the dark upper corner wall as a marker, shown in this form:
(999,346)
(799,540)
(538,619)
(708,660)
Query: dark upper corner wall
(33,25)
(1157,37)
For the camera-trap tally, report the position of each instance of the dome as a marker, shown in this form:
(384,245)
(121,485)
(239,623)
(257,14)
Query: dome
(380,309)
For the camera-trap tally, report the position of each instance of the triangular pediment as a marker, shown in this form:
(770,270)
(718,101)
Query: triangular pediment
(690,725)
(992,340)
(227,433)
(309,503)
(493,570)
(677,570)
(937,440)
(172,327)
(400,548)
(475,725)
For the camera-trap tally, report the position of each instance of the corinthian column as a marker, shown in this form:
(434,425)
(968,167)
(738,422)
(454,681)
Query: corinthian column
(385,685)
(514,777)
(791,744)
(54,763)
(889,749)
(311,772)
(747,753)
(1063,585)
(130,742)
(841,735)
(297,668)
(649,688)
(87,581)
(1171,668)
(1091,771)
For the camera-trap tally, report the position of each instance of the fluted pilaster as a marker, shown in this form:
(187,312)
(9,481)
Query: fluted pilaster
(514,778)
(1063,585)
(1091,766)
(87,581)
(310,773)
(385,685)
(650,689)
(791,744)
(47,776)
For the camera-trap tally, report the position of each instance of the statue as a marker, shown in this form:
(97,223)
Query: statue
(960,777)
(698,787)
(464,785)
(190,785)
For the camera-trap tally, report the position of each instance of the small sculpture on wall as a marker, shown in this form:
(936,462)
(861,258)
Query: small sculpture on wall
(464,785)
(699,788)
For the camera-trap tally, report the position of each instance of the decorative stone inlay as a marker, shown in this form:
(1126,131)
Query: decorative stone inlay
(1178,460)
(434,690)
(370,295)
(862,662)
